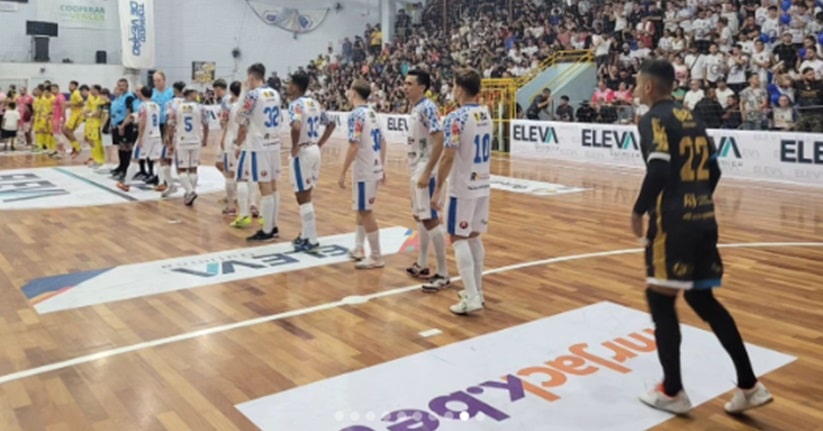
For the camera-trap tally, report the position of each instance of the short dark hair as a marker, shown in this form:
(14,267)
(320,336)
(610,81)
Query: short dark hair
(97,87)
(362,87)
(662,72)
(220,83)
(301,80)
(189,91)
(12,105)
(146,92)
(258,70)
(235,88)
(84,87)
(423,78)
(179,86)
(469,80)
(75,83)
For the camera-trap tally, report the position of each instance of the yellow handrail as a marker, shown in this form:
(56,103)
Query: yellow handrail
(581,57)
(551,60)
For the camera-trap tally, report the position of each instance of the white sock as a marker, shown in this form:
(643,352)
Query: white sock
(423,246)
(374,243)
(479,254)
(184,179)
(359,237)
(193,179)
(165,170)
(438,239)
(243,199)
(309,222)
(254,194)
(231,192)
(465,266)
(161,175)
(267,211)
(276,216)
(131,171)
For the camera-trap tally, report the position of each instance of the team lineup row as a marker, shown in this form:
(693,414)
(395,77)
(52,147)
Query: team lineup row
(448,160)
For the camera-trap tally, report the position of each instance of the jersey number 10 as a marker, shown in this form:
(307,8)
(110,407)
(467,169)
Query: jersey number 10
(482,148)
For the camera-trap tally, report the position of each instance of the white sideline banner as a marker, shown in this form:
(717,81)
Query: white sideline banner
(395,126)
(789,157)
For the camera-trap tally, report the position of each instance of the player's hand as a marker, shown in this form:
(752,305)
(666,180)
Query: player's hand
(342,182)
(423,182)
(237,153)
(637,227)
(437,203)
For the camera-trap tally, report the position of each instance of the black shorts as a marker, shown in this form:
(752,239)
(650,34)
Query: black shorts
(683,258)
(129,136)
(8,134)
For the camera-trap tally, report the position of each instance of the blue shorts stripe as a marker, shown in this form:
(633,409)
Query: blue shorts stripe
(361,196)
(298,175)
(254,174)
(163,153)
(240,164)
(136,152)
(451,226)
(226,161)
(431,195)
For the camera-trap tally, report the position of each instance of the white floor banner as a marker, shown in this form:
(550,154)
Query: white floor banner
(579,370)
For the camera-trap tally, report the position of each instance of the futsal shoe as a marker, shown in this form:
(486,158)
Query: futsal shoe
(747,399)
(357,254)
(417,272)
(370,263)
(466,306)
(656,398)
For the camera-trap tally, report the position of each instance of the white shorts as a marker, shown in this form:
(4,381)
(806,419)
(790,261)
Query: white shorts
(229,161)
(152,149)
(304,169)
(259,166)
(187,157)
(363,195)
(467,215)
(421,200)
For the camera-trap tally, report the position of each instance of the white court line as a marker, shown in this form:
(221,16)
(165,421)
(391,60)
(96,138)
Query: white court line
(346,301)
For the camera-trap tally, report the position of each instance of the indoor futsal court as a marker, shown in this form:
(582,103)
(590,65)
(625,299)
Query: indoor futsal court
(562,269)
(129,305)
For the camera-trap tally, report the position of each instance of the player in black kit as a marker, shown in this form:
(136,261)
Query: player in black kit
(682,173)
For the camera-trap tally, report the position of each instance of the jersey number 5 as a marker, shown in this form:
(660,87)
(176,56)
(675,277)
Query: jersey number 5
(188,124)
(482,148)
(694,148)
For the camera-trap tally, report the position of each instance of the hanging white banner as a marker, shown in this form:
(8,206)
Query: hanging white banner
(88,14)
(137,33)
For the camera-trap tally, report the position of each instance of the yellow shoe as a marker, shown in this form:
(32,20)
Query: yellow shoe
(241,222)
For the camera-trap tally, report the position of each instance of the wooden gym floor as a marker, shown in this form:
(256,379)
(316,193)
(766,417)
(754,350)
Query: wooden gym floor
(194,384)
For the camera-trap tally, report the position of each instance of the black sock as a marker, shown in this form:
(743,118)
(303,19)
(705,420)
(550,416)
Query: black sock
(150,165)
(667,336)
(722,323)
(123,156)
(143,167)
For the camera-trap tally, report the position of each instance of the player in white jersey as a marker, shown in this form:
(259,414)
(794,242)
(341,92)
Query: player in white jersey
(149,143)
(165,183)
(465,163)
(367,150)
(306,117)
(191,132)
(258,138)
(225,157)
(425,145)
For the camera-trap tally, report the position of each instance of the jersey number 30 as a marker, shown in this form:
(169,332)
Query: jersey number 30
(482,148)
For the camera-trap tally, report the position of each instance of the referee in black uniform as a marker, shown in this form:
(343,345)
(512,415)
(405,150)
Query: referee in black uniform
(681,242)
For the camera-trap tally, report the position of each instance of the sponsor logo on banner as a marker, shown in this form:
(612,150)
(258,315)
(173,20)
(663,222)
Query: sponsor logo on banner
(90,14)
(64,292)
(79,186)
(537,133)
(397,124)
(498,382)
(806,158)
(530,187)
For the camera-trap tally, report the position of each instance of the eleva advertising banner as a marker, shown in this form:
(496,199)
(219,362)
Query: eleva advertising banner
(788,157)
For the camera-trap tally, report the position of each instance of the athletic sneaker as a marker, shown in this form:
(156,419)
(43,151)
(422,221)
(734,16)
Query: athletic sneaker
(357,254)
(306,247)
(121,186)
(436,283)
(743,400)
(241,222)
(190,198)
(370,263)
(463,294)
(466,306)
(168,191)
(656,398)
(261,236)
(418,272)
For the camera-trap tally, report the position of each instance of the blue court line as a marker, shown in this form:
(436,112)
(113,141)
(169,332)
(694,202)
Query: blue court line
(99,186)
